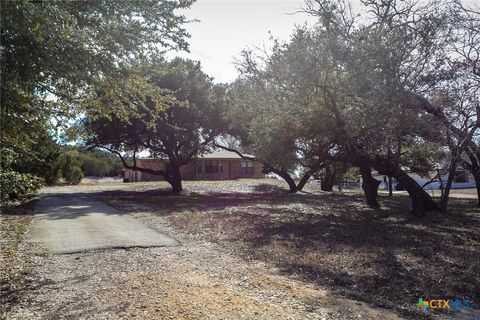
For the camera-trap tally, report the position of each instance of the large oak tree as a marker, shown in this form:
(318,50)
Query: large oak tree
(177,119)
(52,52)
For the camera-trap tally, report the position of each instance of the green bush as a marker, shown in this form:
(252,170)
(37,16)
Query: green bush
(94,167)
(16,186)
(76,175)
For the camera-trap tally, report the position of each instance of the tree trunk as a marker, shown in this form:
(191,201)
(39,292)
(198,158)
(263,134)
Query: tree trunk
(369,185)
(474,167)
(284,175)
(327,182)
(174,178)
(477,182)
(288,179)
(448,186)
(390,186)
(440,181)
(421,200)
(304,179)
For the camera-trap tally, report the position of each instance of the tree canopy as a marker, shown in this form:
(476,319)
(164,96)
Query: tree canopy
(178,124)
(53,52)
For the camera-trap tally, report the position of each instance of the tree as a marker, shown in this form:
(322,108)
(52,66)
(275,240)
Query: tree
(454,88)
(15,185)
(41,156)
(345,89)
(178,123)
(99,163)
(439,73)
(53,51)
(76,175)
(277,112)
(267,124)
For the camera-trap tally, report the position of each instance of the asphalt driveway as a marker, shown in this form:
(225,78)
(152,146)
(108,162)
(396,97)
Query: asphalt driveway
(69,222)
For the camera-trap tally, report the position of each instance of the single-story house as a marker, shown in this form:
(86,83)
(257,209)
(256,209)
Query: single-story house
(218,165)
(463,179)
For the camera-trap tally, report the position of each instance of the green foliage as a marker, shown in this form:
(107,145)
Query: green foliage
(71,171)
(75,175)
(17,186)
(337,92)
(178,124)
(26,167)
(99,163)
(262,124)
(51,54)
(277,108)
(70,163)
(94,167)
(42,157)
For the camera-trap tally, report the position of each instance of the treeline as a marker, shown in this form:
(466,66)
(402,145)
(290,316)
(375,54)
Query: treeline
(51,56)
(396,91)
(77,162)
(53,164)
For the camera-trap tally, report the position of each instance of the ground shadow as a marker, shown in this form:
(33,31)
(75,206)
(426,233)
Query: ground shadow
(384,256)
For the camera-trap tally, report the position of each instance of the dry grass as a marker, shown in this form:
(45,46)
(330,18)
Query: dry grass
(384,257)
(14,223)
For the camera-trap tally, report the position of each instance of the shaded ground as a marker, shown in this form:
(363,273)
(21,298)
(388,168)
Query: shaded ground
(383,257)
(454,193)
(196,280)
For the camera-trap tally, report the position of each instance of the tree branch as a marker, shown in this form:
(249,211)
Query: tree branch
(243,156)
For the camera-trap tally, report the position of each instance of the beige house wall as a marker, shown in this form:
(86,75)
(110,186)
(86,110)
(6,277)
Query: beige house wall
(231,170)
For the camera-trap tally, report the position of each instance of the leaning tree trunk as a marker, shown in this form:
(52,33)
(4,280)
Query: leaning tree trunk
(304,179)
(421,200)
(475,171)
(474,168)
(284,175)
(327,182)
(288,179)
(369,185)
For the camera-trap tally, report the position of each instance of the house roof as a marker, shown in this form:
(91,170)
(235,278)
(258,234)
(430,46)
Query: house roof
(218,154)
(221,154)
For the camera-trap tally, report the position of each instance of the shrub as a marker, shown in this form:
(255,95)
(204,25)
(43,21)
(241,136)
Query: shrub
(94,167)
(76,175)
(16,186)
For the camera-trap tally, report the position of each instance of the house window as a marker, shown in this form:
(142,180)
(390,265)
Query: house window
(211,166)
(199,167)
(461,176)
(246,167)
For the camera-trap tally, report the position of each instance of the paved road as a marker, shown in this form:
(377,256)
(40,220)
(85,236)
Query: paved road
(67,223)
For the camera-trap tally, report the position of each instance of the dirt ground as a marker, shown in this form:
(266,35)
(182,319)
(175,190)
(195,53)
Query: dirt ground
(249,250)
